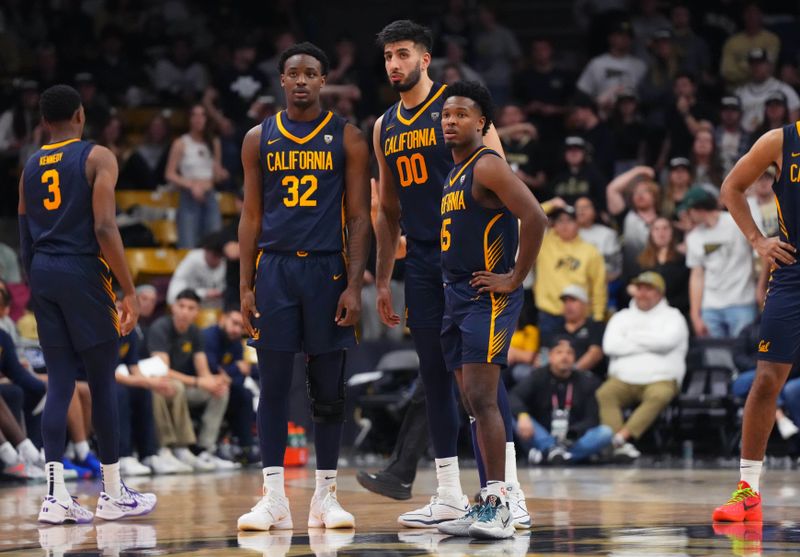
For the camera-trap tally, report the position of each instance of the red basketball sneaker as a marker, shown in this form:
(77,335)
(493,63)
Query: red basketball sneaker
(743,506)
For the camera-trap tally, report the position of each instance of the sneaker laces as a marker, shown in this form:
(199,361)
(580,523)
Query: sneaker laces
(740,495)
(487,513)
(474,511)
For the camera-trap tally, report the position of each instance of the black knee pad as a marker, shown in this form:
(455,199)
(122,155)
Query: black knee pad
(328,411)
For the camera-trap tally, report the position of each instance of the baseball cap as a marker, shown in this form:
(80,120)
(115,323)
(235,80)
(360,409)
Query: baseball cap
(651,278)
(677,162)
(558,211)
(575,291)
(695,197)
(775,96)
(731,101)
(757,55)
(575,141)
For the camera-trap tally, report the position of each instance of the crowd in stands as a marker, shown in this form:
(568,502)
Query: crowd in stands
(626,151)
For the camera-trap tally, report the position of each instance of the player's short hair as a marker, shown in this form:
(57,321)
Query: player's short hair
(406,30)
(477,93)
(307,48)
(58,103)
(188,294)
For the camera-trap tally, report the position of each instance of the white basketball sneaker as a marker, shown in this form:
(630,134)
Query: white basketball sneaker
(327,512)
(54,511)
(460,526)
(519,508)
(439,510)
(130,466)
(129,503)
(272,511)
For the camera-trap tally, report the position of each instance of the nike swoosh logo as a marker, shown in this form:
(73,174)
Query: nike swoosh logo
(271,141)
(273,474)
(330,477)
(506,521)
(337,277)
(129,505)
(747,508)
(445,465)
(389,127)
(405,485)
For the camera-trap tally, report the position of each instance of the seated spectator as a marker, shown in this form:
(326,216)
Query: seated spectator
(737,48)
(202,271)
(112,137)
(662,256)
(496,53)
(693,53)
(148,297)
(19,456)
(15,377)
(95,106)
(679,180)
(629,132)
(144,169)
(225,354)
(9,265)
(520,141)
(179,78)
(454,56)
(178,342)
(21,132)
(707,167)
(730,137)
(722,289)
(646,345)
(604,238)
(584,121)
(759,87)
(566,259)
(556,410)
(761,199)
(684,117)
(579,177)
(776,113)
(584,333)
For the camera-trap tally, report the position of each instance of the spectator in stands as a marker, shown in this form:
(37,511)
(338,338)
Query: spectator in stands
(520,141)
(629,133)
(112,136)
(737,49)
(556,410)
(49,69)
(633,198)
(646,23)
(679,180)
(584,333)
(454,56)
(229,235)
(18,455)
(608,74)
(21,132)
(178,342)
(179,78)
(722,287)
(762,203)
(145,168)
(9,265)
(683,118)
(195,165)
(225,353)
(662,256)
(584,121)
(565,259)
(95,106)
(730,137)
(705,161)
(692,50)
(604,238)
(202,271)
(269,67)
(579,176)
(761,84)
(646,345)
(662,64)
(776,113)
(457,23)
(497,53)
(114,71)
(148,297)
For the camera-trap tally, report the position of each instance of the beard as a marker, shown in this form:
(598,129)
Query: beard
(451,144)
(410,82)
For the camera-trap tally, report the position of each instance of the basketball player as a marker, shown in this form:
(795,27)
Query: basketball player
(483,285)
(70,245)
(780,322)
(306,188)
(413,163)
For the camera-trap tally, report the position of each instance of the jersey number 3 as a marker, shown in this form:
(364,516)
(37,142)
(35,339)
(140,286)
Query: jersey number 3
(50,177)
(412,170)
(293,197)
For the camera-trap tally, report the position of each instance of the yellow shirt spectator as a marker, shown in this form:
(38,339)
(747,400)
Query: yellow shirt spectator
(734,65)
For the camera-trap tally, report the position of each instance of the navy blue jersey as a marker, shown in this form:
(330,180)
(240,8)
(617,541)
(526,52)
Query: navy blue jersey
(303,167)
(786,191)
(58,199)
(413,146)
(473,237)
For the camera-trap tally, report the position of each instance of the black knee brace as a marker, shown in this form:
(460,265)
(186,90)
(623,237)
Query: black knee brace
(327,411)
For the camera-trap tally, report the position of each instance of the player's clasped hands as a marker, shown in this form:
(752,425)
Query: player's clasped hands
(775,251)
(485,281)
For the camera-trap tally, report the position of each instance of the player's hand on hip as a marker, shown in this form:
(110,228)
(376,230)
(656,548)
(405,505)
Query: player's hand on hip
(348,310)
(130,314)
(485,281)
(248,309)
(385,307)
(775,251)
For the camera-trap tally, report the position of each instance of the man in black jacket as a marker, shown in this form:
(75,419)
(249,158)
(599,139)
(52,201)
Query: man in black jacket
(556,410)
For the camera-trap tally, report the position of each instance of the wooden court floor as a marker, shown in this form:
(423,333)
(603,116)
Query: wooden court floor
(577,511)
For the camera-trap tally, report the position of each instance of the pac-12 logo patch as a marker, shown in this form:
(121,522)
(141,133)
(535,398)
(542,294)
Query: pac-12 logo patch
(463,177)
(328,138)
(434,116)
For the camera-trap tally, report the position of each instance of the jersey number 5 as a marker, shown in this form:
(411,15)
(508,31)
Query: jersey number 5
(50,177)
(445,235)
(293,197)
(412,170)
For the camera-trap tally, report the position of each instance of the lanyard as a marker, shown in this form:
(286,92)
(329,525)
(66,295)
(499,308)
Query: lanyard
(567,400)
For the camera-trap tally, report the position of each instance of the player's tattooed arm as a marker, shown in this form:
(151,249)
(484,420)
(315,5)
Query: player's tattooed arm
(250,224)
(357,208)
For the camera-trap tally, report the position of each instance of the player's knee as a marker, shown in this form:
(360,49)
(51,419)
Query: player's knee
(481,403)
(768,383)
(328,412)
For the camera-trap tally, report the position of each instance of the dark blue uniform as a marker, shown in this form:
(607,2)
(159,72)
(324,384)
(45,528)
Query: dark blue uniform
(301,271)
(476,328)
(780,322)
(414,149)
(70,282)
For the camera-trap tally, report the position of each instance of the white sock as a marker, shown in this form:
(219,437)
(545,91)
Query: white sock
(750,472)
(449,478)
(28,451)
(511,465)
(497,489)
(112,484)
(55,482)
(273,480)
(82,450)
(8,455)
(325,479)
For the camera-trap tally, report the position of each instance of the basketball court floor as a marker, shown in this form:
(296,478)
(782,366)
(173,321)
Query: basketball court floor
(577,511)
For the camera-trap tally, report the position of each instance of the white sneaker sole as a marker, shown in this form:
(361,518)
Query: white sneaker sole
(480,533)
(342,522)
(114,512)
(248,525)
(422,521)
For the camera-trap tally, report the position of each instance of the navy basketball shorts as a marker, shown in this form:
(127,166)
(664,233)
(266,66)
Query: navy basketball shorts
(477,328)
(73,301)
(779,334)
(297,295)
(423,286)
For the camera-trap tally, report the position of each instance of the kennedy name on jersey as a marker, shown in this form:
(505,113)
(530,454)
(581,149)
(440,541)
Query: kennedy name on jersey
(299,160)
(412,139)
(453,201)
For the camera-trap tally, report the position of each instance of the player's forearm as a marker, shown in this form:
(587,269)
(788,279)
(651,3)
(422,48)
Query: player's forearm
(735,200)
(530,242)
(110,242)
(357,249)
(249,230)
(387,238)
